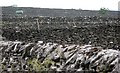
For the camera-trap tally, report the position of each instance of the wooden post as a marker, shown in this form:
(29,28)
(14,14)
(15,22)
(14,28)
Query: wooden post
(38,24)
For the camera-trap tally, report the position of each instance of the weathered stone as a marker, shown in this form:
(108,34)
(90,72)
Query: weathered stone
(75,58)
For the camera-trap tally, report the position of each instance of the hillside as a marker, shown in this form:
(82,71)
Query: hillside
(35,12)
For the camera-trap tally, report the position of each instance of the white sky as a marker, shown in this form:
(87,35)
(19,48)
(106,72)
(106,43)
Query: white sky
(64,4)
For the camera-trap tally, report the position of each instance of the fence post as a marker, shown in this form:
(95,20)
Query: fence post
(38,24)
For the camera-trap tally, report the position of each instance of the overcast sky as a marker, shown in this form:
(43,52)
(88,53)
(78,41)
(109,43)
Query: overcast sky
(64,4)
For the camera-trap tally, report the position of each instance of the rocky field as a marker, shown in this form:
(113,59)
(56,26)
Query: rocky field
(77,30)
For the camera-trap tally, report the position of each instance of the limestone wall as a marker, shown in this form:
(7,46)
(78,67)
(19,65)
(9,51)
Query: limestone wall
(39,56)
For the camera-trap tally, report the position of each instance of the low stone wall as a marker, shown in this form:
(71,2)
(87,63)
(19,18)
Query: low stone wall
(40,56)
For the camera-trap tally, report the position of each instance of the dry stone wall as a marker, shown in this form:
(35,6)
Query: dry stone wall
(39,56)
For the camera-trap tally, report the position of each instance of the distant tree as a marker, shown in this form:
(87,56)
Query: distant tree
(103,11)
